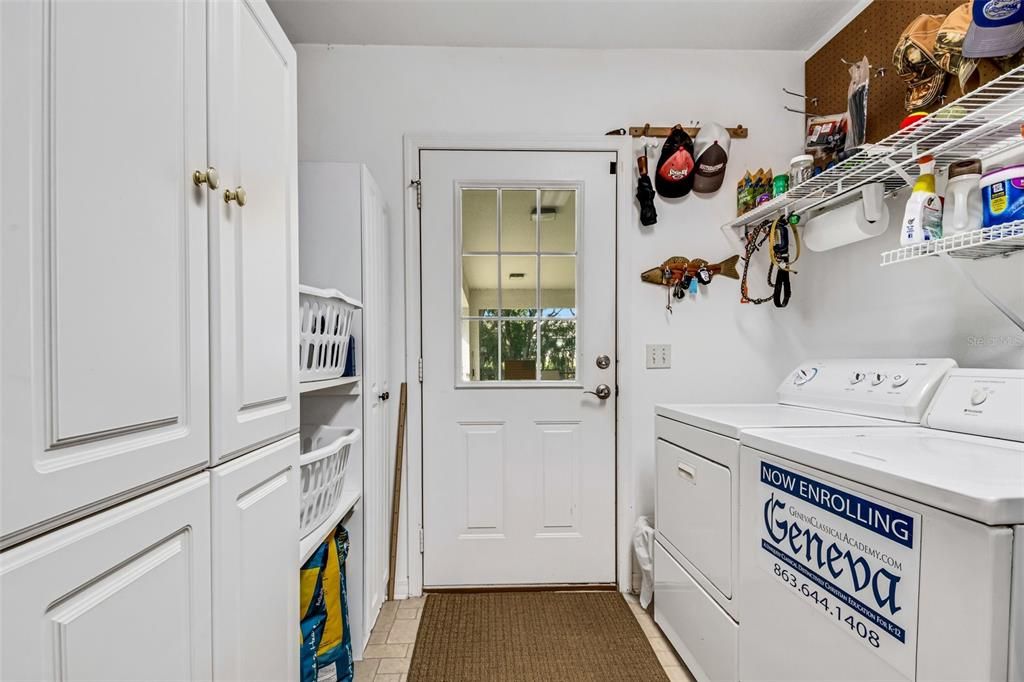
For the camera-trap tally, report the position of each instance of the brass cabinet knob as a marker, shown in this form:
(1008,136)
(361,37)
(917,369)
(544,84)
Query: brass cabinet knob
(209,177)
(237,195)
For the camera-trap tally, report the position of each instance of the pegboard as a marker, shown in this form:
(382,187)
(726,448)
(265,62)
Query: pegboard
(873,33)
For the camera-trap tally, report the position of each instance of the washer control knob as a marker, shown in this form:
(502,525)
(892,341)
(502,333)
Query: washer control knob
(899,380)
(857,377)
(978,396)
(804,375)
(877,378)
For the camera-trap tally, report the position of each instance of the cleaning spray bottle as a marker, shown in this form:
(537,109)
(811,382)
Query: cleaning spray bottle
(922,219)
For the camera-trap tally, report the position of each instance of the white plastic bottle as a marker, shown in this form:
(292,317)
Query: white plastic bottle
(922,219)
(962,211)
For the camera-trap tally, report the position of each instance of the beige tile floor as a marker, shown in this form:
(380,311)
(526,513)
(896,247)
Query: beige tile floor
(389,651)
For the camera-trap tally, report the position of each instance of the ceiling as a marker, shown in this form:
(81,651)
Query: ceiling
(599,24)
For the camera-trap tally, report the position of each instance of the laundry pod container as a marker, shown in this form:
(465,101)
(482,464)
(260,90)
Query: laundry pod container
(1002,193)
(323,463)
(325,326)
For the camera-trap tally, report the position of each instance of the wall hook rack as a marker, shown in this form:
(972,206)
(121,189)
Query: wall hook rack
(737,133)
(812,100)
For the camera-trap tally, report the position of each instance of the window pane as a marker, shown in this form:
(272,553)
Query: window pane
(558,350)
(519,350)
(479,350)
(479,220)
(558,283)
(558,221)
(479,284)
(519,220)
(519,286)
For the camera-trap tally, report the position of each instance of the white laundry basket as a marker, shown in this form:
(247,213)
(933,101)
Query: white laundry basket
(323,462)
(325,325)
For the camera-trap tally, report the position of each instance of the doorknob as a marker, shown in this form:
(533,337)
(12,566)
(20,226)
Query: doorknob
(602,391)
(209,177)
(237,195)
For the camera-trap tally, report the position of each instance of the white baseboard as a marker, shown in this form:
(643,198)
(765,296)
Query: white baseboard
(402,589)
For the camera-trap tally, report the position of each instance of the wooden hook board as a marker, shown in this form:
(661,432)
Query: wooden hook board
(739,132)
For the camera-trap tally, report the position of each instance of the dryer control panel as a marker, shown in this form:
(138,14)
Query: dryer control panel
(898,389)
(983,402)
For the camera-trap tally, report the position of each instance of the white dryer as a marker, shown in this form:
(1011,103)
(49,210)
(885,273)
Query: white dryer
(696,572)
(889,554)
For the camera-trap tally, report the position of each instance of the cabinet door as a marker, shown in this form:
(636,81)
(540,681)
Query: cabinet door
(378,469)
(253,259)
(104,384)
(122,595)
(255,564)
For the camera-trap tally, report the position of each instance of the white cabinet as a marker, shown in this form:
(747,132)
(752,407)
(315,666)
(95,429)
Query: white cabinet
(148,331)
(253,247)
(104,384)
(255,579)
(343,244)
(136,304)
(122,595)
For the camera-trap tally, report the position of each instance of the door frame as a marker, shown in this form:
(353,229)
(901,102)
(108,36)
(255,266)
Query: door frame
(625,492)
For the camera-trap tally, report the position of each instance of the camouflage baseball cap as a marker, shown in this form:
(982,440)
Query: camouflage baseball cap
(914,58)
(949,45)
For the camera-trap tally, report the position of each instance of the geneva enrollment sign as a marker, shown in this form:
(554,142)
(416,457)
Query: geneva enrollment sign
(853,559)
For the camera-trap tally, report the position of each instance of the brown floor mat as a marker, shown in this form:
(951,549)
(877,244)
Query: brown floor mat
(531,637)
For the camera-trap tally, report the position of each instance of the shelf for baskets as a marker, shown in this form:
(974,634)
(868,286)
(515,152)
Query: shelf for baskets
(1001,240)
(346,503)
(983,122)
(339,386)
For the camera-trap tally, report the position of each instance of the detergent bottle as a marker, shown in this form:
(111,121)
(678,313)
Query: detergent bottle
(922,219)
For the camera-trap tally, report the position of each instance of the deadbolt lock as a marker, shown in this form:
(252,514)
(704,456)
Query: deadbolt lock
(603,362)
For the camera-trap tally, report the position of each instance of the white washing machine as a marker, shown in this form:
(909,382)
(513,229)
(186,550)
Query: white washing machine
(696,572)
(889,554)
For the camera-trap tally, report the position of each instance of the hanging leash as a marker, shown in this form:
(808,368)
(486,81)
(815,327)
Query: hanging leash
(755,239)
(779,241)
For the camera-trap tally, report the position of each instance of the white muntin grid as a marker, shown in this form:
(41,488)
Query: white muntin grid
(979,124)
(1001,240)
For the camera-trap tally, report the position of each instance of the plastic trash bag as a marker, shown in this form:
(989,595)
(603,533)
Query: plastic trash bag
(643,548)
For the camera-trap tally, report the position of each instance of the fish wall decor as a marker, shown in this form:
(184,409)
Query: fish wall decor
(681,274)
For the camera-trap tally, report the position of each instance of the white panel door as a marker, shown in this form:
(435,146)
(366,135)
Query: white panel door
(377,446)
(122,595)
(255,586)
(518,292)
(253,248)
(103,254)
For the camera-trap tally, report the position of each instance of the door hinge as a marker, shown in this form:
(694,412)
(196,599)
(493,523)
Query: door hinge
(613,167)
(421,540)
(418,186)
(419,370)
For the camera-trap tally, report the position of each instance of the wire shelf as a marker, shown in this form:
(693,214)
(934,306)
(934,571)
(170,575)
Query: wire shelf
(1001,240)
(980,124)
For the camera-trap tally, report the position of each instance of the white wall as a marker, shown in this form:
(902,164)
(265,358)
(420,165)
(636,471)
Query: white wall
(356,103)
(847,305)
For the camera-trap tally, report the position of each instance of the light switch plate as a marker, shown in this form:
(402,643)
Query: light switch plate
(659,356)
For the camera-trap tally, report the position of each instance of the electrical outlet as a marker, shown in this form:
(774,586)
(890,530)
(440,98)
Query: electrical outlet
(659,356)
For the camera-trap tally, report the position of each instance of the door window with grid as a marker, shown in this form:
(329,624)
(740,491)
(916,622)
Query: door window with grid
(517,297)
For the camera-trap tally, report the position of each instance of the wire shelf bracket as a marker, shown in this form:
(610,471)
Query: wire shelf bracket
(1002,240)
